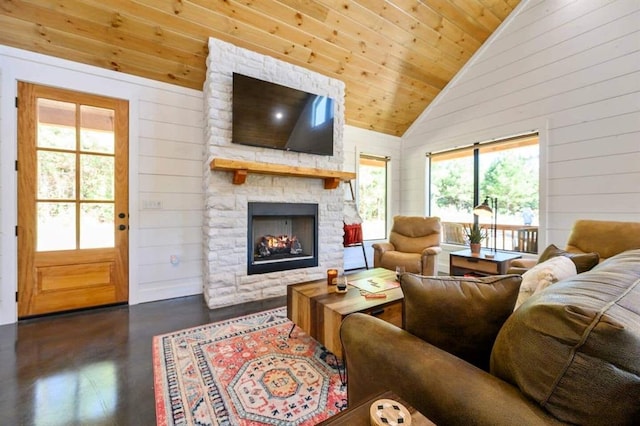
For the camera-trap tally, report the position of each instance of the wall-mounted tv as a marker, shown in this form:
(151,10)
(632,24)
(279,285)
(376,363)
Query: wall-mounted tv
(273,116)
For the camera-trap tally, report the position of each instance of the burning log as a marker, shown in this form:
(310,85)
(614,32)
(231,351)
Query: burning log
(282,244)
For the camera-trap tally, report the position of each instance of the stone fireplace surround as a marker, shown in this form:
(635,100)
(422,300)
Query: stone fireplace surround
(225,216)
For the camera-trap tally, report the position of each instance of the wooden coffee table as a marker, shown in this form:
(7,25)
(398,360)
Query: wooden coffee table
(319,310)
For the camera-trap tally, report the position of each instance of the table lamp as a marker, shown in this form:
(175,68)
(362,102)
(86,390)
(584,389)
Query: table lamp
(489,208)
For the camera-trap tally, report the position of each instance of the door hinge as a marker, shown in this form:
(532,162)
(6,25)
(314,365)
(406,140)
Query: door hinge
(16,296)
(16,230)
(16,102)
(16,165)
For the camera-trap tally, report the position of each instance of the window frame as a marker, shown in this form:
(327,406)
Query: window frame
(387,161)
(476,149)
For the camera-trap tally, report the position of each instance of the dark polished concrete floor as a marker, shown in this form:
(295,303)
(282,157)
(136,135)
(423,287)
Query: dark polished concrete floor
(94,367)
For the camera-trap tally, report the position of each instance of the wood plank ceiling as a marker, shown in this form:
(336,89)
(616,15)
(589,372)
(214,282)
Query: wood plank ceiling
(394,56)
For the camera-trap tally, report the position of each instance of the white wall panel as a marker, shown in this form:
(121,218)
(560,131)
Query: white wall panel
(543,92)
(172,201)
(569,69)
(170,131)
(595,166)
(170,184)
(161,290)
(170,149)
(598,147)
(545,44)
(150,237)
(159,219)
(169,166)
(612,202)
(620,183)
(178,111)
(186,252)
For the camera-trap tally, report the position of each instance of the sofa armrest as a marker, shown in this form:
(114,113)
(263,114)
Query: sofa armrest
(520,266)
(380,356)
(432,251)
(382,247)
(378,250)
(523,263)
(516,270)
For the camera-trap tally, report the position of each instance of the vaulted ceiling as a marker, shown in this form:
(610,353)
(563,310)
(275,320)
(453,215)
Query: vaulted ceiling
(394,56)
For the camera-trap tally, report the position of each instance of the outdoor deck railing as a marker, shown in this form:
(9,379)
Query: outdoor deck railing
(519,238)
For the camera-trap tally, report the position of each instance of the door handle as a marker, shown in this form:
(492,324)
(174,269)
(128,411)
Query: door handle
(122,227)
(377,312)
(122,215)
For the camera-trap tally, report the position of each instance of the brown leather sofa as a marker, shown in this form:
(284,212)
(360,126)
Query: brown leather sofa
(603,237)
(414,242)
(569,355)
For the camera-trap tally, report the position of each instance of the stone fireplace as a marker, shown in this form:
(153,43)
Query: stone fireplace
(228,280)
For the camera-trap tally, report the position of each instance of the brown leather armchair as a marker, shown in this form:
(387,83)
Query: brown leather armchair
(606,238)
(414,242)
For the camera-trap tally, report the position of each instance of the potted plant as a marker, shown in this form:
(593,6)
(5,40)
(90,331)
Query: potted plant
(475,234)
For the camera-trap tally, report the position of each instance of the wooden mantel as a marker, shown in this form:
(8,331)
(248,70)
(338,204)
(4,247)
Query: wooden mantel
(240,169)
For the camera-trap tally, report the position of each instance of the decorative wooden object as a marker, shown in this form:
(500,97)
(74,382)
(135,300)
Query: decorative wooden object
(241,169)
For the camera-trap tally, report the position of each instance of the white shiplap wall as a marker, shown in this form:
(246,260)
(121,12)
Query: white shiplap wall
(570,70)
(359,141)
(166,162)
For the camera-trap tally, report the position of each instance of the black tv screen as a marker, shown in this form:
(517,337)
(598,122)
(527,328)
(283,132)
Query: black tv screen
(273,116)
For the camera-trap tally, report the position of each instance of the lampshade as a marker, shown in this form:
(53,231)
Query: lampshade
(483,209)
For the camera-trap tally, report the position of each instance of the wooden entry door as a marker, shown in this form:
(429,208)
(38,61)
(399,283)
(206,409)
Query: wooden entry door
(73,209)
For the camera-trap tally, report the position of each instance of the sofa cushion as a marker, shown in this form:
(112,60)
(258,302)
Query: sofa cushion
(574,348)
(543,275)
(583,261)
(458,314)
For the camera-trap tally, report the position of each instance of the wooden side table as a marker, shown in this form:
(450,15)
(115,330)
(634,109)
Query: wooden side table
(359,415)
(463,262)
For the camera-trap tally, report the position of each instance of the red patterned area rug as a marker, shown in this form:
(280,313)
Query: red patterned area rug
(245,371)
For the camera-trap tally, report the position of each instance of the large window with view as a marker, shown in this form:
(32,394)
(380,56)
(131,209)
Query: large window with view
(506,172)
(372,196)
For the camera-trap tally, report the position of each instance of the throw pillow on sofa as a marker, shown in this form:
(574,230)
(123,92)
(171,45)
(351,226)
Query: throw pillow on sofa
(583,261)
(575,348)
(543,275)
(441,309)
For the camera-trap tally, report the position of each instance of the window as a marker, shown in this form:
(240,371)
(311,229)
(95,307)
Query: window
(372,201)
(505,170)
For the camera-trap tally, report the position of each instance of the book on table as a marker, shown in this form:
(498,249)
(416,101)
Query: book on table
(374,285)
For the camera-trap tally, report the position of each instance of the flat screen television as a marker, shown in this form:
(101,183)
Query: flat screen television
(273,116)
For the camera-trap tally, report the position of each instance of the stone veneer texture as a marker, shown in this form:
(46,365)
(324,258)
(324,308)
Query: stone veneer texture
(225,224)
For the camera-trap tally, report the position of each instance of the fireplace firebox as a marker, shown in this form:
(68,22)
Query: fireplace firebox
(281,236)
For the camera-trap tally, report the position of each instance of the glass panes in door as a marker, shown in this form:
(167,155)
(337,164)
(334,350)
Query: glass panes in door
(75,202)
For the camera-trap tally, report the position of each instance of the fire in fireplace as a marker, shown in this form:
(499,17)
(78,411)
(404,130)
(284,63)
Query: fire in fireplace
(282,245)
(281,236)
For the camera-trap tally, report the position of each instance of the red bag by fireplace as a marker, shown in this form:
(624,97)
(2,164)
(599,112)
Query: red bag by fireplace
(352,234)
(352,224)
